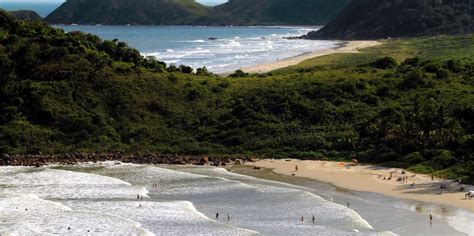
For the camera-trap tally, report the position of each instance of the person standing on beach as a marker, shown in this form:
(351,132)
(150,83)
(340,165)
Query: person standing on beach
(431,218)
(348,205)
(296,168)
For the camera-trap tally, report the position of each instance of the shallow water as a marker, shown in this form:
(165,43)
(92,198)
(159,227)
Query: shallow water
(102,198)
(233,47)
(403,217)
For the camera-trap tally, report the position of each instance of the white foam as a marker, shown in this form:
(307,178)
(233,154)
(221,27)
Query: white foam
(28,214)
(463,221)
(61,184)
(179,217)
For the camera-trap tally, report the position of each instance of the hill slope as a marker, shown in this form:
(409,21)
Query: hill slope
(176,12)
(25,15)
(274,12)
(122,12)
(375,19)
(68,92)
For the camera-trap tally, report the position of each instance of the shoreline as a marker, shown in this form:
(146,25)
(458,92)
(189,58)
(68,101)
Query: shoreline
(68,159)
(368,178)
(342,47)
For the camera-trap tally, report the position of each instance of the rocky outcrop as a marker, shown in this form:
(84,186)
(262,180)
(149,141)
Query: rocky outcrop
(75,158)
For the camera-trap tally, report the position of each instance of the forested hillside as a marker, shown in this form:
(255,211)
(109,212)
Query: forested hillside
(179,12)
(66,92)
(25,15)
(375,19)
(275,12)
(123,12)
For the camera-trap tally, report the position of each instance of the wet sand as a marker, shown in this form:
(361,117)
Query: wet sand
(383,212)
(371,179)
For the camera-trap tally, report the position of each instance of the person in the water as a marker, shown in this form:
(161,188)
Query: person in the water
(302,219)
(217,216)
(314,219)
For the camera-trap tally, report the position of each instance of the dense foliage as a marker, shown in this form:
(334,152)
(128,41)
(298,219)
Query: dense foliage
(66,92)
(25,15)
(375,19)
(178,12)
(123,12)
(275,12)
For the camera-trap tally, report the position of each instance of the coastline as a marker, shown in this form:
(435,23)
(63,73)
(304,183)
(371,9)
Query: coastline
(368,178)
(343,47)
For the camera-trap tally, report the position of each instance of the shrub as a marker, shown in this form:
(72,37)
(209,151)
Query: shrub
(238,74)
(186,69)
(442,74)
(443,159)
(412,62)
(383,91)
(385,63)
(432,68)
(413,80)
(413,158)
(370,100)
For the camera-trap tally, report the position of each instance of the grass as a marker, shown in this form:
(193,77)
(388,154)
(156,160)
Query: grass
(425,48)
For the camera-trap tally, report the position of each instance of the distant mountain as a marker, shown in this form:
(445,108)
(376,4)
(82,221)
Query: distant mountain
(25,15)
(122,12)
(179,12)
(376,19)
(273,12)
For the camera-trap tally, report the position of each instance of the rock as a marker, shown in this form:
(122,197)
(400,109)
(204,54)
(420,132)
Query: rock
(178,162)
(256,168)
(204,160)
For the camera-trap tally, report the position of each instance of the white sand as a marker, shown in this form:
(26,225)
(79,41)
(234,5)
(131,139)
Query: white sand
(347,47)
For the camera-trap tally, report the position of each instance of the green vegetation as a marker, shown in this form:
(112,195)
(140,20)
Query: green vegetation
(139,12)
(407,103)
(179,12)
(375,19)
(25,15)
(275,12)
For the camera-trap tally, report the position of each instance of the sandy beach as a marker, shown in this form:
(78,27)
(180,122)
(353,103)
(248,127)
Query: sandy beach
(376,179)
(345,47)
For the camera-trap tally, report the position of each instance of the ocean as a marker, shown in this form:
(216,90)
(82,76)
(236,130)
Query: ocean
(102,199)
(42,8)
(219,49)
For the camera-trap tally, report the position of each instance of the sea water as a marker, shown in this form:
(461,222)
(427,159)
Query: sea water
(219,49)
(102,199)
